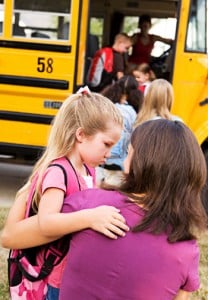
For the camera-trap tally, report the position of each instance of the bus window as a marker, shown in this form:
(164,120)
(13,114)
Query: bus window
(165,27)
(130,24)
(96,28)
(42,19)
(196,39)
(1,16)
(94,40)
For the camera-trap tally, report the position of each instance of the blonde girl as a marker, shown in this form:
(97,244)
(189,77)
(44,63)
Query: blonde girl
(81,139)
(157,102)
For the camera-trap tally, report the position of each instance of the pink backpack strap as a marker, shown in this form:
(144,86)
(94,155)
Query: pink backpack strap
(73,184)
(30,196)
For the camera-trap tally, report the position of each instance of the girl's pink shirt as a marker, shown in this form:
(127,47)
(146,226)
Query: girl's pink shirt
(54,178)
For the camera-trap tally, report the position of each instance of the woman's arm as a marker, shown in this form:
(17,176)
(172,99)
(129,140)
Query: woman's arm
(158,38)
(183,295)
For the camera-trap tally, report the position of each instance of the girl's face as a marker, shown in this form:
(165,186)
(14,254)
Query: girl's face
(95,149)
(128,158)
(141,77)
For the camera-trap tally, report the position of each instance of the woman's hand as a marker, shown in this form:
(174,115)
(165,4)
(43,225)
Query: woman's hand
(108,221)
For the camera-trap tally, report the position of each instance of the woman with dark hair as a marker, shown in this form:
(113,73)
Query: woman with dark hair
(160,200)
(143,42)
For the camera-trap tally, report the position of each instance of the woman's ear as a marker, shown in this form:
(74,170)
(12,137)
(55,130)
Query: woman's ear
(80,135)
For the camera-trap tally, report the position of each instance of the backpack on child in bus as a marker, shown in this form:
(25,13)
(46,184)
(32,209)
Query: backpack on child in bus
(28,279)
(100,73)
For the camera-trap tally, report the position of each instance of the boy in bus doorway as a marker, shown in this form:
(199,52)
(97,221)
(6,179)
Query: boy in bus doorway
(108,64)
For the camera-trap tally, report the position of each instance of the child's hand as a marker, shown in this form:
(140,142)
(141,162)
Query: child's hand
(183,295)
(108,221)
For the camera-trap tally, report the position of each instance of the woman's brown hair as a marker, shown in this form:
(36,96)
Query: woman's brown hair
(166,176)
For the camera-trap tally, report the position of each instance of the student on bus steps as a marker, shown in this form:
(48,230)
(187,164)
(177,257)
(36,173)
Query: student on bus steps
(109,63)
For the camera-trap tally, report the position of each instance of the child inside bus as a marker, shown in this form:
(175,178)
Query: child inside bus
(109,63)
(80,139)
(157,102)
(122,93)
(144,75)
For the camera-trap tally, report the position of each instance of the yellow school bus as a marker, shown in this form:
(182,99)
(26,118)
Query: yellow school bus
(41,57)
(46,47)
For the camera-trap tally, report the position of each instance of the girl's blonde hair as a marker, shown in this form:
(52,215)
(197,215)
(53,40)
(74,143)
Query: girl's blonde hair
(157,102)
(91,111)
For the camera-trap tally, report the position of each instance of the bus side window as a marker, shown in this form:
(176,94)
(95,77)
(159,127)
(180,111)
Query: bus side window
(197,31)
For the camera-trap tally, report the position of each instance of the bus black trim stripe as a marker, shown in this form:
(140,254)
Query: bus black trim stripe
(21,149)
(35,82)
(35,46)
(26,117)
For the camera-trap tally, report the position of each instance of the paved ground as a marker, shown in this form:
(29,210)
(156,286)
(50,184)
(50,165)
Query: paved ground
(12,177)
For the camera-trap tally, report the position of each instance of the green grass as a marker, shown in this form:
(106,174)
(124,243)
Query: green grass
(201,294)
(3,215)
(4,295)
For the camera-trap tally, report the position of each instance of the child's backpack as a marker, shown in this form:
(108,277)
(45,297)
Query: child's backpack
(100,73)
(28,279)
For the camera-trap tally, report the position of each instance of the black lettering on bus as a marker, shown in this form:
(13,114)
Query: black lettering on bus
(45,65)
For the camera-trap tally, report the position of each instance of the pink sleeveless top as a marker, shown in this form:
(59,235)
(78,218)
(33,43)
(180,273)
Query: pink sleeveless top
(141,53)
(54,177)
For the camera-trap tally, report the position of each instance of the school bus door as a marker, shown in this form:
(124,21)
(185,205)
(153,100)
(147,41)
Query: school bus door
(190,77)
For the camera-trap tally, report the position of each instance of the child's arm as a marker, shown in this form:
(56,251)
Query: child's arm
(163,40)
(24,233)
(105,219)
(183,295)
(119,74)
(19,232)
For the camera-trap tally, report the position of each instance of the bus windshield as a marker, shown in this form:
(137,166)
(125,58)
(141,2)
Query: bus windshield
(39,19)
